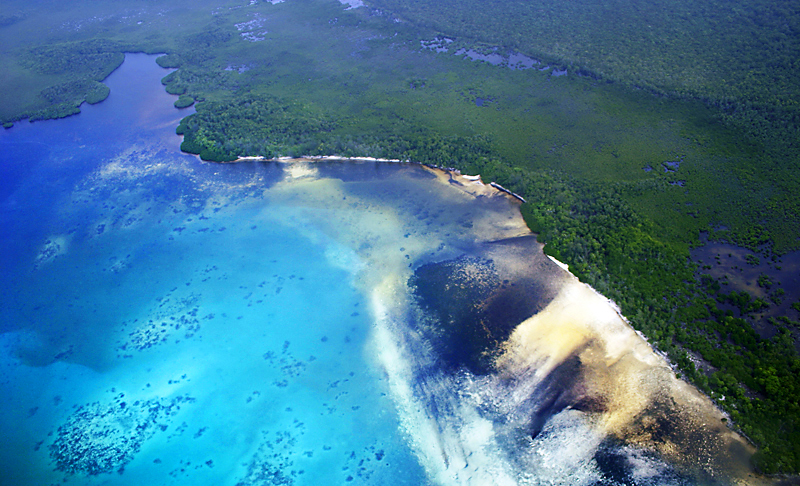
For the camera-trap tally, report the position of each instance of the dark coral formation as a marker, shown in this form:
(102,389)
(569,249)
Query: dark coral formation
(475,302)
(102,438)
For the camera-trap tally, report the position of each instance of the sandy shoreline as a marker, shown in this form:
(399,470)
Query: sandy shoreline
(312,158)
(467,179)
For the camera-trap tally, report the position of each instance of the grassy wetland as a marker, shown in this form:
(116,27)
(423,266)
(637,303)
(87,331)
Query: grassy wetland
(636,135)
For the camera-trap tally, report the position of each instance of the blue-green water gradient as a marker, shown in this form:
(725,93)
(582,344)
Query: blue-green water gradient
(161,326)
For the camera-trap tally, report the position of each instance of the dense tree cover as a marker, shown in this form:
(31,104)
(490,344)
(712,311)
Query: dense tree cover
(619,182)
(184,101)
(249,125)
(85,64)
(741,58)
(66,98)
(741,55)
(94,58)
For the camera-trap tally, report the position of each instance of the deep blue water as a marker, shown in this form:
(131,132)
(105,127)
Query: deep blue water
(169,321)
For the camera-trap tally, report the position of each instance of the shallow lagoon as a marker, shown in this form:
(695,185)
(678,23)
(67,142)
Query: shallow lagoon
(167,320)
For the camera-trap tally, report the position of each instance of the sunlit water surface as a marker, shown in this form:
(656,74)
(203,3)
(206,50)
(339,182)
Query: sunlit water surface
(168,321)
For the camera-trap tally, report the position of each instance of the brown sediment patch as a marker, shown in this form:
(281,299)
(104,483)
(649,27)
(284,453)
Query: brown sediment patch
(635,394)
(679,424)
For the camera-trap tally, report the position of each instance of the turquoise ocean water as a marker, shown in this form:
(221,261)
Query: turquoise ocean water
(161,325)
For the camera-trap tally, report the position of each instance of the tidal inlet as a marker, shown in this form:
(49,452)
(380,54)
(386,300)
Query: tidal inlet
(170,321)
